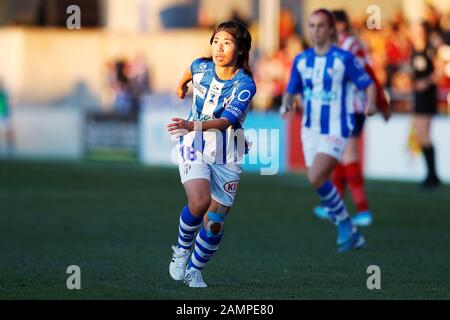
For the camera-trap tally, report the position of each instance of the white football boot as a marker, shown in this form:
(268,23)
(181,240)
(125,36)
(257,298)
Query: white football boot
(177,266)
(194,279)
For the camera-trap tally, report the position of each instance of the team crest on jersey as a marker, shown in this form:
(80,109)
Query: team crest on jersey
(213,96)
(203,66)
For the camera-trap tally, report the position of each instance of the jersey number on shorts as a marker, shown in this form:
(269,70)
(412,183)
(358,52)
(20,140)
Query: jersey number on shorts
(188,153)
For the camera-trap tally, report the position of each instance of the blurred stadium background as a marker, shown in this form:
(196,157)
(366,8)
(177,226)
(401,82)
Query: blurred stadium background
(86,175)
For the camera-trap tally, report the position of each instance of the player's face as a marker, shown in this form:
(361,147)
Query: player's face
(340,26)
(319,29)
(224,49)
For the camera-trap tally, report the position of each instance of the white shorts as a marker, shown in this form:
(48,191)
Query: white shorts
(314,143)
(223,178)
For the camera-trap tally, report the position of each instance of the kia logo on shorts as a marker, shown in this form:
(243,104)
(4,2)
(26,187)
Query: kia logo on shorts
(231,187)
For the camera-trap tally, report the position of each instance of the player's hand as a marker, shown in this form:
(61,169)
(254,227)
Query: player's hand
(284,112)
(370,110)
(179,127)
(182,90)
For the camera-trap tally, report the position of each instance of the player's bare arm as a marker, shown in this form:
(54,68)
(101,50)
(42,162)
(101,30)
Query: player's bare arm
(181,124)
(182,88)
(287,105)
(371,107)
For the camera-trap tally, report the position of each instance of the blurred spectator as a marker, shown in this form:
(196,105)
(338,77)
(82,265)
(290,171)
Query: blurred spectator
(139,78)
(80,96)
(272,74)
(433,18)
(425,95)
(235,15)
(445,27)
(287,26)
(120,83)
(398,50)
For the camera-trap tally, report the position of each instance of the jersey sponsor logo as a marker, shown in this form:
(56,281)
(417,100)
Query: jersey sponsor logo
(244,95)
(203,66)
(231,186)
(235,111)
(199,90)
(226,101)
(307,73)
(322,96)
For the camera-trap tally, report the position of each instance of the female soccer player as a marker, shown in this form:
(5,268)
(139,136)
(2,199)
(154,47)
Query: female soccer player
(208,153)
(349,171)
(321,75)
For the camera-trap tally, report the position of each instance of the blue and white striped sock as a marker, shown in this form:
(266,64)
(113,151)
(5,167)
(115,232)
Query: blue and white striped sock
(332,201)
(206,245)
(189,224)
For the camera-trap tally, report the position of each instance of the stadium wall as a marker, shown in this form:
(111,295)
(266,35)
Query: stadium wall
(48,133)
(43,65)
(390,152)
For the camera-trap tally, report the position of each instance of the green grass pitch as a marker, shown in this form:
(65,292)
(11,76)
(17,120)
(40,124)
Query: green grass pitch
(117,222)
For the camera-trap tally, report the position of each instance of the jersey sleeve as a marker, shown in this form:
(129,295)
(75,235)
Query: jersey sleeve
(356,73)
(197,65)
(295,80)
(236,110)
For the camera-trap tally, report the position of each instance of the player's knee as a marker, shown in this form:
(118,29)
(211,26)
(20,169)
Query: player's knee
(315,179)
(199,205)
(214,224)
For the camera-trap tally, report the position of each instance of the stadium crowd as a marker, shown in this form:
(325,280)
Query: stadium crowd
(390,48)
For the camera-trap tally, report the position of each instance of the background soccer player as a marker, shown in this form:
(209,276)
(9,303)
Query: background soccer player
(321,75)
(349,171)
(223,88)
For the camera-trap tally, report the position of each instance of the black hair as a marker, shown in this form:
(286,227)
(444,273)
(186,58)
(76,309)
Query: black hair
(341,16)
(243,40)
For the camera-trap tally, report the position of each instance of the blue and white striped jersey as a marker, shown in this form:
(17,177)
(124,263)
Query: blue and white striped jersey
(214,98)
(323,80)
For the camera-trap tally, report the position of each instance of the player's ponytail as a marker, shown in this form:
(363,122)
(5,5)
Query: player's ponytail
(243,40)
